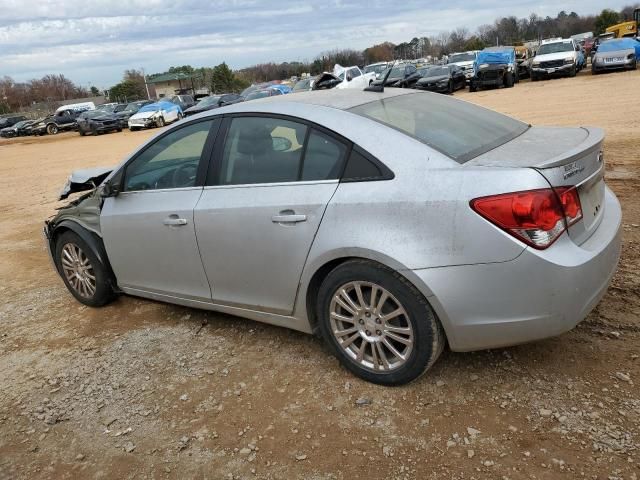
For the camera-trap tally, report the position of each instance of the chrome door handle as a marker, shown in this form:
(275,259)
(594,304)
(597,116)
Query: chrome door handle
(289,218)
(174,222)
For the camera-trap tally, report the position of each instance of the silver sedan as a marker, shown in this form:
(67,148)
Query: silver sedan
(390,223)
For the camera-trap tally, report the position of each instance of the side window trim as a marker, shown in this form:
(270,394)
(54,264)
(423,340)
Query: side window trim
(205,156)
(215,164)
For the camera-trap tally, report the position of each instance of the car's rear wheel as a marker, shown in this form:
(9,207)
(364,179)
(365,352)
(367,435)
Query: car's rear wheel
(450,87)
(84,275)
(52,129)
(379,325)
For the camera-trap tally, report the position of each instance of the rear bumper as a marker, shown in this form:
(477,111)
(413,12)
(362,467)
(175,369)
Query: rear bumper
(539,294)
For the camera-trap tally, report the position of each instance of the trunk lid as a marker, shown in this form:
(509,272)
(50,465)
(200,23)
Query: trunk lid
(564,157)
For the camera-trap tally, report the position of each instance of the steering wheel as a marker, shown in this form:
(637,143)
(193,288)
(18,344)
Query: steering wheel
(184,175)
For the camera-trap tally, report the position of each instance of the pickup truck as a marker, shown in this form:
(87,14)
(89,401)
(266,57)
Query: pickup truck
(62,120)
(557,57)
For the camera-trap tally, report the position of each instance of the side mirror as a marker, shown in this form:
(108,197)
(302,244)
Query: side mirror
(110,190)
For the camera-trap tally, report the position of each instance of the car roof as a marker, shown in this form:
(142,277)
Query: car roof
(333,98)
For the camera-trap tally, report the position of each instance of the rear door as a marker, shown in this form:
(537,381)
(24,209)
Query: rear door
(148,229)
(262,207)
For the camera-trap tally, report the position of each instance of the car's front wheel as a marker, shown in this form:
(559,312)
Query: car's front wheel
(52,129)
(84,275)
(379,325)
(160,122)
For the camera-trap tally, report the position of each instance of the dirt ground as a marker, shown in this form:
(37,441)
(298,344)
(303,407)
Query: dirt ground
(145,390)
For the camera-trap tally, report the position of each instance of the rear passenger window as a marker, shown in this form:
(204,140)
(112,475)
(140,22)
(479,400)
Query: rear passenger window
(360,167)
(262,150)
(323,159)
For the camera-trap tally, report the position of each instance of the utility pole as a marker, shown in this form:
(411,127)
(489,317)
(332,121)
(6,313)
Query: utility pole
(145,83)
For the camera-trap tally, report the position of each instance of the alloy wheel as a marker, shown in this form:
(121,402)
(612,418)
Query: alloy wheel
(371,326)
(78,270)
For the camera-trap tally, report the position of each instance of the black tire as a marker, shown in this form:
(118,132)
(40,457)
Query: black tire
(119,129)
(450,87)
(94,130)
(103,290)
(81,132)
(428,336)
(573,72)
(160,122)
(133,129)
(472,87)
(52,129)
(534,77)
(508,80)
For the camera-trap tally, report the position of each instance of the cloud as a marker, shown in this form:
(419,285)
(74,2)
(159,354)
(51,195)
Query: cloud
(95,41)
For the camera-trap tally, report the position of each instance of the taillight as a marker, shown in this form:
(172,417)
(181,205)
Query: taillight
(537,217)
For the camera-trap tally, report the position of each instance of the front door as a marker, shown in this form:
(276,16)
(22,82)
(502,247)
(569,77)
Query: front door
(148,229)
(259,214)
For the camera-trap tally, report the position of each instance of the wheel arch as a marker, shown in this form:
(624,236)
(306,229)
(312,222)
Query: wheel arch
(318,271)
(94,242)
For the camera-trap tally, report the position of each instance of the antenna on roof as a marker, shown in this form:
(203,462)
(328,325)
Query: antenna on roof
(380,88)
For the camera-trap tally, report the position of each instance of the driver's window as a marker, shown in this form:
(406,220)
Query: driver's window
(171,162)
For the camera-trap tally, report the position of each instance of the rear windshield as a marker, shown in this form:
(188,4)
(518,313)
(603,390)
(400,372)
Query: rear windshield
(458,129)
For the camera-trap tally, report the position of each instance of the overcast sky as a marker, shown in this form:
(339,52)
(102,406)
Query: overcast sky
(94,41)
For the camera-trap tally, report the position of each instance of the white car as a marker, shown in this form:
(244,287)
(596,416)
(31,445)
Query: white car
(558,56)
(376,68)
(156,114)
(465,61)
(344,77)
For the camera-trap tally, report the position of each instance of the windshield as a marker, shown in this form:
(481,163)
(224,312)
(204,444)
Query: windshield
(397,72)
(614,45)
(462,57)
(437,71)
(152,107)
(132,107)
(302,85)
(258,94)
(375,68)
(458,129)
(92,113)
(556,47)
(208,101)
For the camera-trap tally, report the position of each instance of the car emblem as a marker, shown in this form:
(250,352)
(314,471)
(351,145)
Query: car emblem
(572,169)
(600,157)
